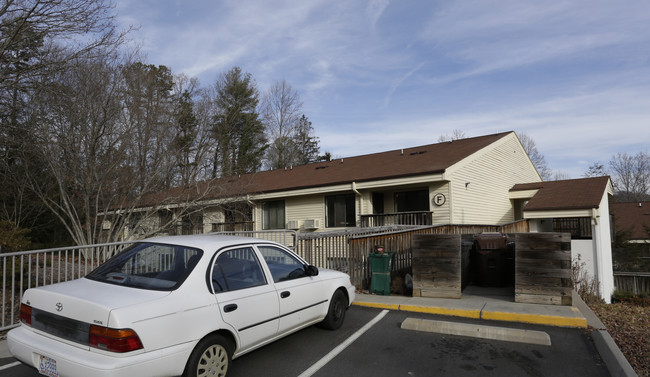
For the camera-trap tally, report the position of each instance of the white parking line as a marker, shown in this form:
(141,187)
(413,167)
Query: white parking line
(333,353)
(3,367)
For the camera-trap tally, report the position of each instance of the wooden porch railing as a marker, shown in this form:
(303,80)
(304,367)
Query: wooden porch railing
(400,218)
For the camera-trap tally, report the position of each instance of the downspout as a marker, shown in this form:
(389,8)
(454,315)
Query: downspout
(598,268)
(358,216)
(250,202)
(354,188)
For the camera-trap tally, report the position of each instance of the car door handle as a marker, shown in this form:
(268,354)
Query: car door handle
(230,308)
(285,294)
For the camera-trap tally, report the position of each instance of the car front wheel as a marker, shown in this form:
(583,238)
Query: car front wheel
(336,312)
(211,357)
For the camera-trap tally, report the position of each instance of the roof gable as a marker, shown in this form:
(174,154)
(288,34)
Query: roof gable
(584,193)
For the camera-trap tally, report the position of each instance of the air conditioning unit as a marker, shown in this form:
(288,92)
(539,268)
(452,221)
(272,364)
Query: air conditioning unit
(293,224)
(312,224)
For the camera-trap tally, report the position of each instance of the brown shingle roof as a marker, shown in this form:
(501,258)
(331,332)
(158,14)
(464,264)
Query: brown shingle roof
(633,218)
(584,193)
(426,159)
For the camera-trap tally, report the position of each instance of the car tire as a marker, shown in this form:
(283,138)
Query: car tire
(211,357)
(336,312)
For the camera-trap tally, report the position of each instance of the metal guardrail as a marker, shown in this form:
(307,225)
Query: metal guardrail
(27,269)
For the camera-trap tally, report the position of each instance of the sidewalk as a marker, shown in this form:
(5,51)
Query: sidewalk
(489,304)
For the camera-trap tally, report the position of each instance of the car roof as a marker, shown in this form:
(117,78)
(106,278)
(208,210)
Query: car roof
(205,241)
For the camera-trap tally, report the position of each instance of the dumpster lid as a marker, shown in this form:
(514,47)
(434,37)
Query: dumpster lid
(490,241)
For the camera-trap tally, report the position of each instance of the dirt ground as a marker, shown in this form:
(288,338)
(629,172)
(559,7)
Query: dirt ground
(629,324)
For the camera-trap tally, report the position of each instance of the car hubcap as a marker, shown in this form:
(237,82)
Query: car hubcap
(338,310)
(214,362)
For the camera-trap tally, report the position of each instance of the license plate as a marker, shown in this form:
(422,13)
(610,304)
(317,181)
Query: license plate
(47,367)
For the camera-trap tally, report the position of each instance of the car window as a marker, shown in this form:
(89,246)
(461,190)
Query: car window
(282,264)
(149,266)
(237,269)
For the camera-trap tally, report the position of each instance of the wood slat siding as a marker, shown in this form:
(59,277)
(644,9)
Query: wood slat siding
(437,265)
(543,268)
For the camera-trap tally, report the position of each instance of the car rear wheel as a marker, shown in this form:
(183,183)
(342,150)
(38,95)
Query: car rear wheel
(336,312)
(211,357)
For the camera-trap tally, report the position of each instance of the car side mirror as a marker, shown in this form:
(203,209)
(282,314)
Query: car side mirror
(311,270)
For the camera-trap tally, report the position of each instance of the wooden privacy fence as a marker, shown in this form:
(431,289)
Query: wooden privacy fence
(542,267)
(400,242)
(635,282)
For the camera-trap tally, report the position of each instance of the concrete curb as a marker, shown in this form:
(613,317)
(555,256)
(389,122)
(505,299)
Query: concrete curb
(616,362)
(478,331)
(4,349)
(487,313)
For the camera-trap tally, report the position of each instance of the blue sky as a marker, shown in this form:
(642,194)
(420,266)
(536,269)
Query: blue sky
(379,75)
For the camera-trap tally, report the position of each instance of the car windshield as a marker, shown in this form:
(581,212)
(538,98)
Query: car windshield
(149,266)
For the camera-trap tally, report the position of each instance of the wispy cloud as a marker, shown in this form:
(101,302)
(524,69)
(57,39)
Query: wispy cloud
(378,75)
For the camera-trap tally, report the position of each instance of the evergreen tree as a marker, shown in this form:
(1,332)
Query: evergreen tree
(237,130)
(185,140)
(306,145)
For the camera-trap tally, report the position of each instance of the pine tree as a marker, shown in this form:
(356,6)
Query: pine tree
(306,145)
(237,130)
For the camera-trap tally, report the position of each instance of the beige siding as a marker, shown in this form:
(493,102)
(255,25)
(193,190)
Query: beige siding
(480,183)
(212,215)
(306,208)
(441,214)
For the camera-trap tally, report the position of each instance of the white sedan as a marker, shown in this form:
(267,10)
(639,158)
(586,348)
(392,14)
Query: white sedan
(171,306)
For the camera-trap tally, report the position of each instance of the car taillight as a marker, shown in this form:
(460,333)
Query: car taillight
(26,314)
(114,340)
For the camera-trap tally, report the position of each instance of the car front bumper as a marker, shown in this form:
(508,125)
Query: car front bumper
(28,347)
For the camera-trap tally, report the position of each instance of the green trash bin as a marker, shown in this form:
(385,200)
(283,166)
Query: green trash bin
(380,266)
(381,262)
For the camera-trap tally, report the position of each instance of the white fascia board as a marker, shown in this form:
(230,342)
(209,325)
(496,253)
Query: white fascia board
(558,214)
(383,183)
(522,194)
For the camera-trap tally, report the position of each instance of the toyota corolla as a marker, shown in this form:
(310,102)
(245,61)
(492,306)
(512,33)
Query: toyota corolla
(178,305)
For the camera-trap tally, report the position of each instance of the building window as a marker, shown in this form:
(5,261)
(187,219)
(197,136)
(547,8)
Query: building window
(340,211)
(273,215)
(377,203)
(412,201)
(579,227)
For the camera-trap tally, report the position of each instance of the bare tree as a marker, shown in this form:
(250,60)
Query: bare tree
(595,170)
(281,108)
(535,156)
(631,176)
(455,135)
(105,174)
(67,29)
(148,112)
(560,175)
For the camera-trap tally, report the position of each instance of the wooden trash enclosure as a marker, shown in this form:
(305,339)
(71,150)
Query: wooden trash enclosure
(543,268)
(437,265)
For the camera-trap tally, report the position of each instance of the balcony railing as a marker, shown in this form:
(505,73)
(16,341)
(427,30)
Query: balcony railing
(400,218)
(243,226)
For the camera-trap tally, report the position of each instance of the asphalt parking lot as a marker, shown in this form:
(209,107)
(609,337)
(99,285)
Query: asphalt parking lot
(372,343)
